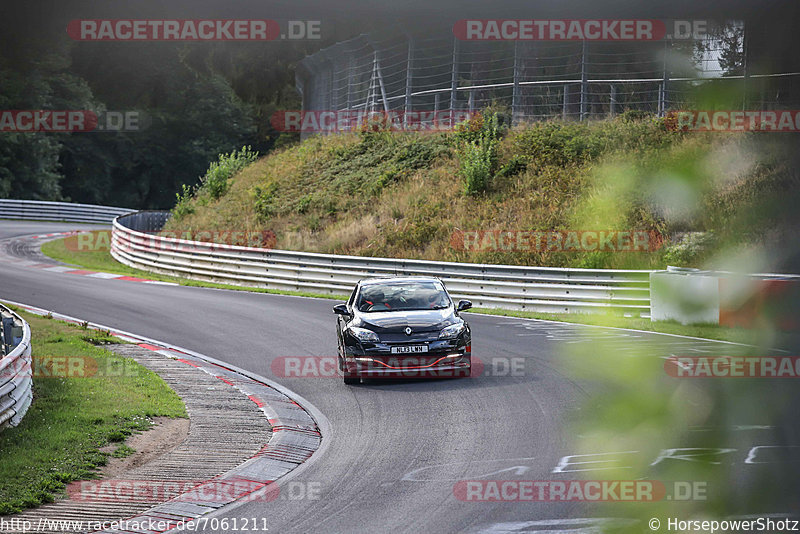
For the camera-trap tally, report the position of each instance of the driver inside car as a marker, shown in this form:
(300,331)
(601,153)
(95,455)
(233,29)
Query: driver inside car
(375,301)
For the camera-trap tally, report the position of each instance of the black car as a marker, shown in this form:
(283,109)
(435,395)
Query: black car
(402,327)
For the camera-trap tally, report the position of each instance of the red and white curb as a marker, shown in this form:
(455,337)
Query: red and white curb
(66,269)
(297,430)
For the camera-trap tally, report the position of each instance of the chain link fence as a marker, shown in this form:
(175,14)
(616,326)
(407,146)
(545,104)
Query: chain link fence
(533,80)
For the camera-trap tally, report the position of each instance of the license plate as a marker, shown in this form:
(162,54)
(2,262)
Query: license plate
(409,349)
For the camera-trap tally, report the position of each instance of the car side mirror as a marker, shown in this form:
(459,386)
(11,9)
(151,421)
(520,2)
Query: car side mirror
(463,305)
(341,309)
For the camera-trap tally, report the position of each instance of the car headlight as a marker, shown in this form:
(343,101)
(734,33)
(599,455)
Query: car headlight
(364,335)
(452,331)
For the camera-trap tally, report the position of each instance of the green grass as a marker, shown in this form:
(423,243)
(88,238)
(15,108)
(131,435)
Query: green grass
(72,418)
(123,451)
(93,260)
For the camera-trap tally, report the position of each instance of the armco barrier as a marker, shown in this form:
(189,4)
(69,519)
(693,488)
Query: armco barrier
(16,391)
(540,289)
(58,211)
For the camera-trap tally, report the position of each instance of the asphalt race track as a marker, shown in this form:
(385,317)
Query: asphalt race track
(395,449)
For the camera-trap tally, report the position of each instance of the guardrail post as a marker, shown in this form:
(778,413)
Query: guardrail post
(8,336)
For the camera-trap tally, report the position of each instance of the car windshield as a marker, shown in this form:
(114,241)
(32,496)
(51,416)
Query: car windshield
(403,296)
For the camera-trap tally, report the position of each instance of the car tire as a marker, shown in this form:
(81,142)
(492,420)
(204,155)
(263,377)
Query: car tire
(351,380)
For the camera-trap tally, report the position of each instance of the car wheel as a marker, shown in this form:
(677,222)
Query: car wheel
(351,380)
(340,360)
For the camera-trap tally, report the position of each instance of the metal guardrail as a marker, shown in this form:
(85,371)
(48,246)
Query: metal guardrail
(539,289)
(42,210)
(16,370)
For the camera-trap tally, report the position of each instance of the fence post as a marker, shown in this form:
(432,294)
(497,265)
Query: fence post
(745,67)
(612,106)
(350,65)
(454,79)
(584,84)
(380,81)
(515,96)
(565,104)
(330,97)
(409,80)
(369,104)
(471,100)
(662,95)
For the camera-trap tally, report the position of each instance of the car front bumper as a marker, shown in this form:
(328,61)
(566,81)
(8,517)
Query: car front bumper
(444,359)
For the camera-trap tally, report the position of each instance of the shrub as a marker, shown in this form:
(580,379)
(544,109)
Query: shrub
(215,181)
(515,166)
(476,166)
(479,156)
(690,250)
(264,200)
(183,206)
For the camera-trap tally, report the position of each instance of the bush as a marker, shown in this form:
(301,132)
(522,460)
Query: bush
(479,152)
(476,166)
(215,181)
(515,166)
(576,143)
(690,250)
(183,206)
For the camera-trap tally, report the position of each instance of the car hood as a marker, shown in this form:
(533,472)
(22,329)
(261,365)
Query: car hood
(396,321)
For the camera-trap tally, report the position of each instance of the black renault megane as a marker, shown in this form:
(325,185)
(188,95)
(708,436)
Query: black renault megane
(402,327)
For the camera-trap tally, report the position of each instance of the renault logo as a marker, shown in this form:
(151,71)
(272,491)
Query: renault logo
(408,330)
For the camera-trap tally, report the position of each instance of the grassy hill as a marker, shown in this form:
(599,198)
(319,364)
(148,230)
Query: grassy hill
(404,194)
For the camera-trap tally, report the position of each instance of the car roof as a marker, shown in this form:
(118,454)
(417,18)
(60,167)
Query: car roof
(396,279)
